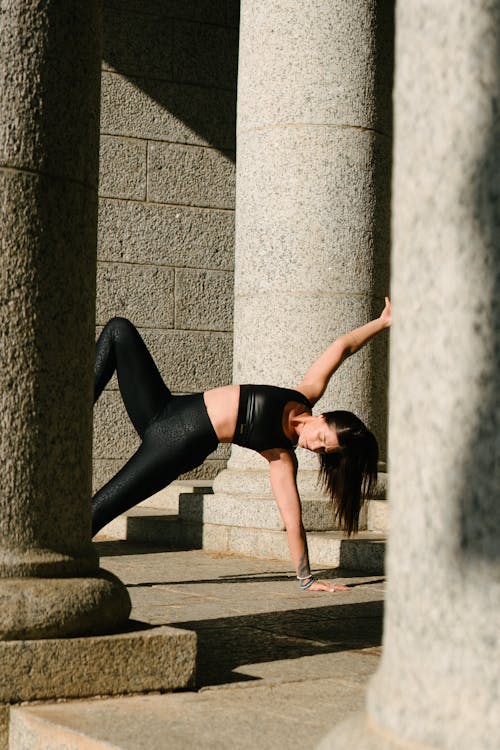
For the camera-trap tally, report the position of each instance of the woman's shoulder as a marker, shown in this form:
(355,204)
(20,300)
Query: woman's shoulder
(306,393)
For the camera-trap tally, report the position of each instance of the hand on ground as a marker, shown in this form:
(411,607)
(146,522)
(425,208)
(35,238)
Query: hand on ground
(327,586)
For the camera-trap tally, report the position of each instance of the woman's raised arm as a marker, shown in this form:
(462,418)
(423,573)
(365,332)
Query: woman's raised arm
(316,379)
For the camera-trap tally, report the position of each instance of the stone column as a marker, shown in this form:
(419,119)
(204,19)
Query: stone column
(439,681)
(312,197)
(50,584)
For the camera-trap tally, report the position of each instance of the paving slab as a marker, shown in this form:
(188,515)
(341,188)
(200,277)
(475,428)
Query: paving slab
(293,715)
(275,666)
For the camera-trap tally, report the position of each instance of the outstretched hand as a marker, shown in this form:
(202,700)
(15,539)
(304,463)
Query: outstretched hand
(327,586)
(386,315)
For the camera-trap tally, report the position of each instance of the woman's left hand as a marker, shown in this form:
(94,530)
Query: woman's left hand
(327,586)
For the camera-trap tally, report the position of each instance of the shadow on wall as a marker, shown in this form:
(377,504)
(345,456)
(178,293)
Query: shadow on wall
(183,55)
(480,501)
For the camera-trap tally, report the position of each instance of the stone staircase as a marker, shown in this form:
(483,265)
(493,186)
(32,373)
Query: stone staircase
(187,515)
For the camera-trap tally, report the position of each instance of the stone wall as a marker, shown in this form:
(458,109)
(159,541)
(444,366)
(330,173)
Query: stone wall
(166,199)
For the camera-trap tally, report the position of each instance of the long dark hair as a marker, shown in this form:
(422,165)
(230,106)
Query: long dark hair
(350,475)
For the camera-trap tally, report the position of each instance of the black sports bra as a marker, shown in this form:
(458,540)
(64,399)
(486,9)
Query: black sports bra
(260,416)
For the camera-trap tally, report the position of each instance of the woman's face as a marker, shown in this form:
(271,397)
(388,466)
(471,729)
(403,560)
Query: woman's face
(318,436)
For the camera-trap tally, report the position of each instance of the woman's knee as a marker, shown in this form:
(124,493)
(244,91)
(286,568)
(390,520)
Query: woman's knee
(119,325)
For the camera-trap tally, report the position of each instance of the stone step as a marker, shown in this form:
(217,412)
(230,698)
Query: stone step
(168,498)
(377,516)
(251,512)
(240,717)
(156,527)
(193,500)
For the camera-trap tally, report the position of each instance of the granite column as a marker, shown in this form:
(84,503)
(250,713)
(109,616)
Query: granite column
(312,219)
(51,584)
(438,684)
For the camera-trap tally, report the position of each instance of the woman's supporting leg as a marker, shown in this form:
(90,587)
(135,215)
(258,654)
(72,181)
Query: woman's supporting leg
(121,348)
(146,472)
(177,441)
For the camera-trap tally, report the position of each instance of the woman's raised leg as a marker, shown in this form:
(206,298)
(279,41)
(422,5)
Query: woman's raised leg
(121,348)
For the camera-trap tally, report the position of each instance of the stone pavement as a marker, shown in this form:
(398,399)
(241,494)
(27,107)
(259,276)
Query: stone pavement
(276,666)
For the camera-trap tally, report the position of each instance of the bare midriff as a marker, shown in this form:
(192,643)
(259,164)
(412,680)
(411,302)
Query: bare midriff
(222,407)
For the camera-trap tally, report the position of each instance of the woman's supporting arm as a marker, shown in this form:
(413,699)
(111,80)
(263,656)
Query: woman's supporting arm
(316,379)
(283,472)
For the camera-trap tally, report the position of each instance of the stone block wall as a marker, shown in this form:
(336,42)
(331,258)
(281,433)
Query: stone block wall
(166,199)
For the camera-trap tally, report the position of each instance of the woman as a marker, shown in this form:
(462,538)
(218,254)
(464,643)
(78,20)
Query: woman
(179,432)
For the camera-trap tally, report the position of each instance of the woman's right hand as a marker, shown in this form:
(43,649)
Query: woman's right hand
(386,315)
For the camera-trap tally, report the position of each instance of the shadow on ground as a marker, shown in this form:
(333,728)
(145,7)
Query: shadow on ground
(227,644)
(233,642)
(119,548)
(264,578)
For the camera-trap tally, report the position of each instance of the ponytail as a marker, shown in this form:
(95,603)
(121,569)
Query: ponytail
(350,475)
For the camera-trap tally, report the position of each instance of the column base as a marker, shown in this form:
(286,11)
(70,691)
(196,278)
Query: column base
(142,660)
(243,497)
(34,608)
(253,511)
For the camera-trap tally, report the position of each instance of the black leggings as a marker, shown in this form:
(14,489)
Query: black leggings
(176,432)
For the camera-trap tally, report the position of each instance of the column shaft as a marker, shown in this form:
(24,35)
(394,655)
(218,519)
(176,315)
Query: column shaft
(439,682)
(313,135)
(48,170)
